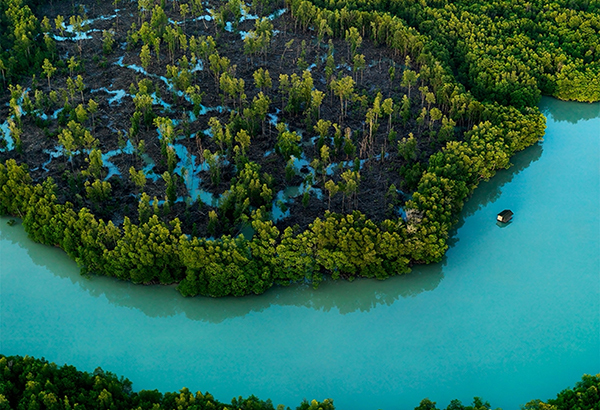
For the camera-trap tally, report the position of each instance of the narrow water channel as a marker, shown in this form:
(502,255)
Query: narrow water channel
(511,314)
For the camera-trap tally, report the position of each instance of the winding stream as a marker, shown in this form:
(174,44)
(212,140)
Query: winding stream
(510,315)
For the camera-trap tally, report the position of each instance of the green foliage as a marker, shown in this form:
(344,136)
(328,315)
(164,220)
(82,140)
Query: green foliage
(478,404)
(262,79)
(233,87)
(180,75)
(107,42)
(145,56)
(36,383)
(506,52)
(218,65)
(296,91)
(74,136)
(407,148)
(344,89)
(30,383)
(143,103)
(95,164)
(354,40)
(98,191)
(21,51)
(585,395)
(259,39)
(247,192)
(171,188)
(48,70)
(288,142)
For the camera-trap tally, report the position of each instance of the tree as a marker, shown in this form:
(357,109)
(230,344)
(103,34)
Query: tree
(407,148)
(77,22)
(59,24)
(259,39)
(388,109)
(73,65)
(260,108)
(422,117)
(262,80)
(372,118)
(358,65)
(144,209)
(287,142)
(159,20)
(98,191)
(107,41)
(333,189)
(405,109)
(95,164)
(249,189)
(218,65)
(138,178)
(66,139)
(92,109)
(354,40)
(233,87)
(195,95)
(81,114)
(48,69)
(144,8)
(322,128)
(197,9)
(16,131)
(316,99)
(145,56)
(350,185)
(184,9)
(79,86)
(343,88)
(409,79)
(426,404)
(242,138)
(170,187)
(323,29)
(3,70)
(435,115)
(214,162)
(537,405)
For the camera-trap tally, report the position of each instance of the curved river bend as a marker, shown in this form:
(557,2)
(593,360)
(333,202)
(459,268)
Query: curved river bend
(511,314)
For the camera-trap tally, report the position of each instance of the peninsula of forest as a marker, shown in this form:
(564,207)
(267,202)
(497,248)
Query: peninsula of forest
(229,146)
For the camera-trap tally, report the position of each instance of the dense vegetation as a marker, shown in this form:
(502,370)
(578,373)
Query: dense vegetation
(21,51)
(509,51)
(338,138)
(28,383)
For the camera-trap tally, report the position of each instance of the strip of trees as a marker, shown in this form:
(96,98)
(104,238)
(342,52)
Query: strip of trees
(30,383)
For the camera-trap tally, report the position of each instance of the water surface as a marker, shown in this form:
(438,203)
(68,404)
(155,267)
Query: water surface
(511,314)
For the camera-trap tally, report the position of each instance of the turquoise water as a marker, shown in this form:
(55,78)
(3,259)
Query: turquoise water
(511,314)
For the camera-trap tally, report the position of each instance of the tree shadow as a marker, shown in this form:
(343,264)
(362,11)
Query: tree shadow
(572,112)
(489,191)
(361,295)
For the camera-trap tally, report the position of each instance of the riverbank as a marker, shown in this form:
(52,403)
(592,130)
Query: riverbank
(48,383)
(525,318)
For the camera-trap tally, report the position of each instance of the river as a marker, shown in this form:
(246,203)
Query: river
(511,314)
